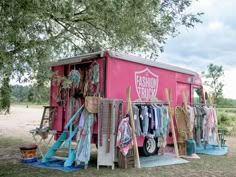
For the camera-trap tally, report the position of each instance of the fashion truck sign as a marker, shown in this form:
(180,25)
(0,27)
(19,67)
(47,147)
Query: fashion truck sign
(146,83)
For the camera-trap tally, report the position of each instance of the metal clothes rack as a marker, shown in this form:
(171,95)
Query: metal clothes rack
(150,102)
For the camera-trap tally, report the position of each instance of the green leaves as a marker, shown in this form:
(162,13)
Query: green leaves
(65,27)
(213,80)
(34,32)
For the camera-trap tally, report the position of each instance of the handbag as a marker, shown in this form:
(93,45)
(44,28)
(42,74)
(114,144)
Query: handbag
(91,104)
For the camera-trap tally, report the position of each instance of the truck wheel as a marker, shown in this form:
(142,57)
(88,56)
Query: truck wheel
(149,146)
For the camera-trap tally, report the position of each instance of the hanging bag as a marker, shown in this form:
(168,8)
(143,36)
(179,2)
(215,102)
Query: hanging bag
(91,104)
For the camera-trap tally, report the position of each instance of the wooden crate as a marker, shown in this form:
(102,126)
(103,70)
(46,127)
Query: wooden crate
(126,161)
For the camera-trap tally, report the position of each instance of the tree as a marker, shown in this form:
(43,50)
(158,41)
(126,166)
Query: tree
(39,94)
(20,92)
(213,80)
(31,31)
(36,31)
(33,93)
(5,95)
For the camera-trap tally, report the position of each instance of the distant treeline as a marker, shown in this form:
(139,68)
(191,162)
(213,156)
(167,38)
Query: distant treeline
(33,94)
(227,103)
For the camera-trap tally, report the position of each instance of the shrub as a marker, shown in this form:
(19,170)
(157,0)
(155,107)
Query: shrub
(223,118)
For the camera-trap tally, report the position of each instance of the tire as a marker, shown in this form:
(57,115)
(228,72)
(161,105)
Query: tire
(149,146)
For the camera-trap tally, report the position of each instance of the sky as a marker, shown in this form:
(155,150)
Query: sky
(212,41)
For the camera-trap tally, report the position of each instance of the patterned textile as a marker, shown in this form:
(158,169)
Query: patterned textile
(83,147)
(124,136)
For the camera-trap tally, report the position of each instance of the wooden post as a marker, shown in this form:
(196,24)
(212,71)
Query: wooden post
(130,111)
(168,98)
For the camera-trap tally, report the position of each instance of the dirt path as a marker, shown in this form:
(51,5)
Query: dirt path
(20,121)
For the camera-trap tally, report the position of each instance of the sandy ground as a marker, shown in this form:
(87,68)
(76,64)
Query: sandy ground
(20,121)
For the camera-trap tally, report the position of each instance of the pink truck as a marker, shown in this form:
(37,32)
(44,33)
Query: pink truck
(116,72)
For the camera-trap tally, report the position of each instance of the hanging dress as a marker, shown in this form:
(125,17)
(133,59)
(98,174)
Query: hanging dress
(83,147)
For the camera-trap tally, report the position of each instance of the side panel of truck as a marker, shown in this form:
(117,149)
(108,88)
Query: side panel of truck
(123,73)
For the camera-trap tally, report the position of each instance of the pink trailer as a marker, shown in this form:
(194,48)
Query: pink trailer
(117,71)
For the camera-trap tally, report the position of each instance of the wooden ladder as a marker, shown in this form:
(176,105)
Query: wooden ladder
(48,117)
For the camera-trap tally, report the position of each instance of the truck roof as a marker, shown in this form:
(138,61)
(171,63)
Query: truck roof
(122,56)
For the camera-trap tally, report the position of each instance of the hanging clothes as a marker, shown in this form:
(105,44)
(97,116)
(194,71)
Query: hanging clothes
(151,121)
(138,130)
(158,117)
(83,146)
(212,127)
(200,113)
(155,114)
(191,116)
(144,119)
(166,120)
(124,136)
(92,80)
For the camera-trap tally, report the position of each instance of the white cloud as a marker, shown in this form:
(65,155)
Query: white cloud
(213,41)
(215,26)
(230,83)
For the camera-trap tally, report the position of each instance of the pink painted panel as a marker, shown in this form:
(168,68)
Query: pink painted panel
(53,97)
(66,95)
(145,81)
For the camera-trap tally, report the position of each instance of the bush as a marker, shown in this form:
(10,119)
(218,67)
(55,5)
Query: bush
(227,120)
(223,118)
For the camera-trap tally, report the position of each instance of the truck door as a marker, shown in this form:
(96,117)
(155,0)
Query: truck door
(182,87)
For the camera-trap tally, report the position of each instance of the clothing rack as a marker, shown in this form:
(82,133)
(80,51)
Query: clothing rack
(149,102)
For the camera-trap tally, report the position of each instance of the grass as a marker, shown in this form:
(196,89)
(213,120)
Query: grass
(227,120)
(10,165)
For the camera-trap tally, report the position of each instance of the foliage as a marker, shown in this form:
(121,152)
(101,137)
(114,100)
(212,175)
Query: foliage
(5,94)
(35,32)
(227,120)
(213,80)
(20,92)
(33,94)
(226,103)
(39,94)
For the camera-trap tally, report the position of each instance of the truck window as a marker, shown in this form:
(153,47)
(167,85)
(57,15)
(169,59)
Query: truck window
(197,95)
